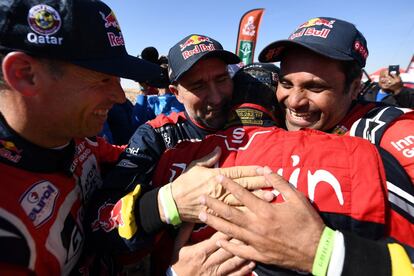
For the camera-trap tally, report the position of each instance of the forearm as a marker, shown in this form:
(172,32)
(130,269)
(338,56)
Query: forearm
(354,255)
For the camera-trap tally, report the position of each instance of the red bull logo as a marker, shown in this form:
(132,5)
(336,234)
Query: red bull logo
(109,217)
(194,40)
(317,22)
(110,20)
(8,150)
(10,146)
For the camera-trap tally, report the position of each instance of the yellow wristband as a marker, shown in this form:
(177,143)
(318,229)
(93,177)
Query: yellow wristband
(324,252)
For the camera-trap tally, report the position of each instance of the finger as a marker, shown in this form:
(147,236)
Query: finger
(246,269)
(249,200)
(239,171)
(183,236)
(223,210)
(252,182)
(234,230)
(219,236)
(235,266)
(267,196)
(281,185)
(209,160)
(241,250)
(218,257)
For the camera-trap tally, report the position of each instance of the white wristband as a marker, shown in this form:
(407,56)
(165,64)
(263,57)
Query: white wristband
(336,262)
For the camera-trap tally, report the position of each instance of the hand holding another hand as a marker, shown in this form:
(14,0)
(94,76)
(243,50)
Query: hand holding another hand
(283,234)
(199,180)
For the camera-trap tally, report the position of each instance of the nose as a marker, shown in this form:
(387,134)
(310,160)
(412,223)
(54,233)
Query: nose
(215,95)
(297,98)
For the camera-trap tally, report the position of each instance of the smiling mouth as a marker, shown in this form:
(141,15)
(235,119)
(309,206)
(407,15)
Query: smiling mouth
(101,112)
(303,116)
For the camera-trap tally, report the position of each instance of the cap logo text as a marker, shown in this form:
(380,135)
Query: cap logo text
(360,49)
(198,49)
(115,40)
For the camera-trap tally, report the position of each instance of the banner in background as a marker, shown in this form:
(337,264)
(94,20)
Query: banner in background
(248,31)
(410,67)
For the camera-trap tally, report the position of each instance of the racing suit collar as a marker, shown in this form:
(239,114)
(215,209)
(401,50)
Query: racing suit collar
(18,152)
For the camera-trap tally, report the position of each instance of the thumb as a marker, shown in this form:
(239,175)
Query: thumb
(208,160)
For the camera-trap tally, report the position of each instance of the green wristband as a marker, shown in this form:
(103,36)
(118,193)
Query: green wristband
(324,252)
(170,209)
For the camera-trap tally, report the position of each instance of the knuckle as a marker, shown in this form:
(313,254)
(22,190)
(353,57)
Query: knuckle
(228,213)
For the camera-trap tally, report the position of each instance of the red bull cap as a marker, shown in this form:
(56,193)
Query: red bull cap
(82,32)
(329,37)
(188,51)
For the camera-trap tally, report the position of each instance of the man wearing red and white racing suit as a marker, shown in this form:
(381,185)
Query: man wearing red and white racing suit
(42,206)
(326,168)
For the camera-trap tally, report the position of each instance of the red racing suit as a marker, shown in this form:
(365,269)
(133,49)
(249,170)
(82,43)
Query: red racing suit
(342,176)
(392,130)
(44,192)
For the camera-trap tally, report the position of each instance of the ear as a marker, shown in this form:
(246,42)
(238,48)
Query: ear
(19,72)
(355,88)
(174,89)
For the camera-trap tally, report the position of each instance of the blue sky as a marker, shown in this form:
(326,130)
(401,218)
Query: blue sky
(387,25)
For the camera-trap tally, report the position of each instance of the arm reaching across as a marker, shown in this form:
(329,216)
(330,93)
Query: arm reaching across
(293,237)
(290,245)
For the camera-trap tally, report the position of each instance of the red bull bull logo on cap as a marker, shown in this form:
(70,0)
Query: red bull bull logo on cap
(317,22)
(194,40)
(111,22)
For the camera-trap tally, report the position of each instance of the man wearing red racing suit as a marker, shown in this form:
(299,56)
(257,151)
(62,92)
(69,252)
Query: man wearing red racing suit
(203,84)
(395,228)
(326,168)
(56,89)
(318,89)
(41,210)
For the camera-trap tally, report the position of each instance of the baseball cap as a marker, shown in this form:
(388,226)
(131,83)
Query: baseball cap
(329,37)
(82,32)
(256,83)
(271,72)
(188,51)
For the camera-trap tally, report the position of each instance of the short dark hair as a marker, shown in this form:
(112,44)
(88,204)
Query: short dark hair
(55,67)
(352,70)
